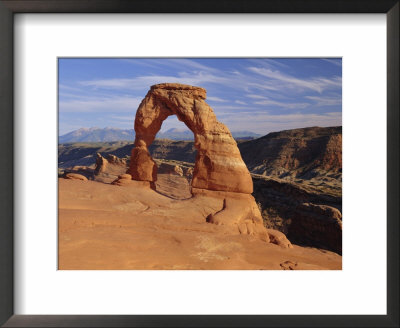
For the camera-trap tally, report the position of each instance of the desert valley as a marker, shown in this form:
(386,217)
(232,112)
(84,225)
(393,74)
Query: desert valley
(218,202)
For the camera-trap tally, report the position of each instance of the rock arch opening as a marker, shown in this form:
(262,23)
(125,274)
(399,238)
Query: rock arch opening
(174,142)
(174,154)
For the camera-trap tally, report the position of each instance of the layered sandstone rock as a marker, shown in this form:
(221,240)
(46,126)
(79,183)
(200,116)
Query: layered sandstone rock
(125,180)
(308,215)
(319,225)
(219,171)
(219,165)
(166,168)
(75,176)
(175,168)
(305,153)
(122,180)
(109,168)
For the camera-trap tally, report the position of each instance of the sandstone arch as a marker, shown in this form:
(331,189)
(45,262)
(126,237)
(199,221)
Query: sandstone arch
(219,165)
(219,169)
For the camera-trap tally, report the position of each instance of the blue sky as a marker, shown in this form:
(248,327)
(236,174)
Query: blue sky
(255,94)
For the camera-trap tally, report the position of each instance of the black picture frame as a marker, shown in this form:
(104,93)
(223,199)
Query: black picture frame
(10,7)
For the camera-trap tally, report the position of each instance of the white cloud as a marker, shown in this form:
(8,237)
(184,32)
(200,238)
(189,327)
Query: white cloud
(277,81)
(267,62)
(229,108)
(175,63)
(262,100)
(255,96)
(267,102)
(123,118)
(336,62)
(96,105)
(216,99)
(67,87)
(263,123)
(240,102)
(144,82)
(326,101)
(265,85)
(189,63)
(317,84)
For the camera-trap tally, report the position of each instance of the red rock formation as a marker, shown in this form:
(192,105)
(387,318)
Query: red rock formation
(309,216)
(170,169)
(219,165)
(75,176)
(318,225)
(109,168)
(299,153)
(219,170)
(126,180)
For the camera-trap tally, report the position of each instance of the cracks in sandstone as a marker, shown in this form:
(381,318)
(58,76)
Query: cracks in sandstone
(209,218)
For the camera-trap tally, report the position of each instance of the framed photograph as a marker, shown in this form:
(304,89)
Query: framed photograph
(168,163)
(240,192)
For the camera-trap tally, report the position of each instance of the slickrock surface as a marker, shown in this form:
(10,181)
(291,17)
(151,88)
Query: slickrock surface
(132,227)
(173,186)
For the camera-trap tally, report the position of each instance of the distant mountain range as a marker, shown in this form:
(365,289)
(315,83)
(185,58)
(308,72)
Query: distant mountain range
(97,135)
(114,134)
